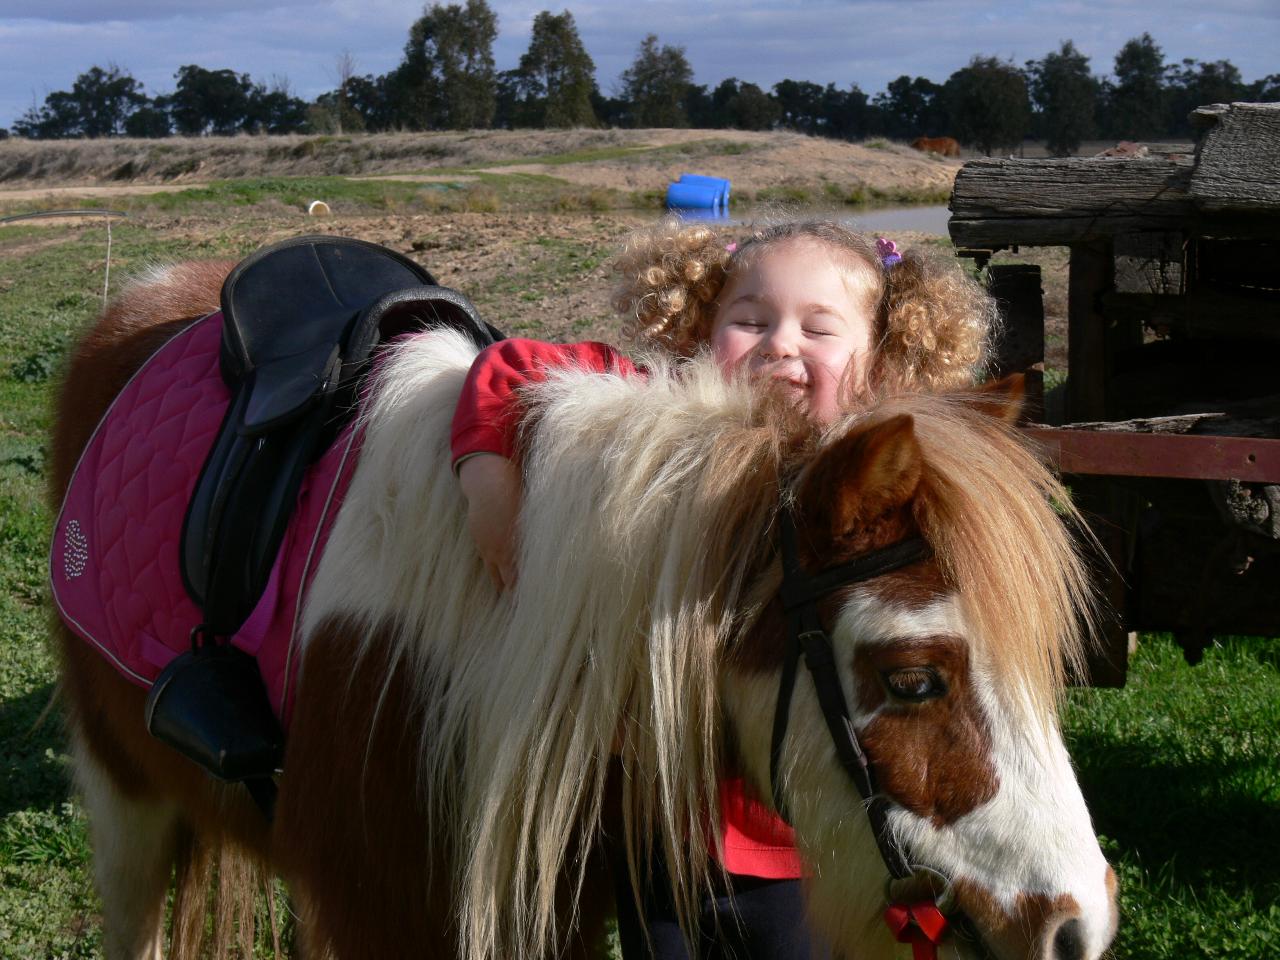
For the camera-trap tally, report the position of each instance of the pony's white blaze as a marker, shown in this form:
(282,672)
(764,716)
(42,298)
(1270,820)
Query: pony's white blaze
(1035,837)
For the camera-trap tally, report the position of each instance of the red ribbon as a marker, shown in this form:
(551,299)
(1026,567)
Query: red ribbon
(920,924)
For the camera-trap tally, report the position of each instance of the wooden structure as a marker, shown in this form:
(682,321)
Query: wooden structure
(1168,423)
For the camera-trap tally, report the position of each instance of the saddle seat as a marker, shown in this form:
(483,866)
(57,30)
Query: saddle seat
(301,320)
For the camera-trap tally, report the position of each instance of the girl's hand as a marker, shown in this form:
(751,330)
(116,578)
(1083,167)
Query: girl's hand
(491,485)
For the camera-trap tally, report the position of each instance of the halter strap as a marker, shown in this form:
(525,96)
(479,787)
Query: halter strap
(800,595)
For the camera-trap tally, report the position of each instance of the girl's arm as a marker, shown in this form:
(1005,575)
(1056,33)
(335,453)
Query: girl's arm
(485,427)
(491,486)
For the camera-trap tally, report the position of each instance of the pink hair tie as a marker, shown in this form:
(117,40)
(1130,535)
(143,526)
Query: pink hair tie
(730,247)
(888,251)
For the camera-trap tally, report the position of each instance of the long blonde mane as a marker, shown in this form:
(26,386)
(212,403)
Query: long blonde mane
(645,534)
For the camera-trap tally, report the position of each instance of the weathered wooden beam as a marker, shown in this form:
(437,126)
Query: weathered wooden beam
(1238,158)
(1218,423)
(1092,273)
(998,232)
(1202,314)
(1071,188)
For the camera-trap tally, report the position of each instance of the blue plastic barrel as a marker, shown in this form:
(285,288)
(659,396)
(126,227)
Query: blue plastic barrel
(693,196)
(721,184)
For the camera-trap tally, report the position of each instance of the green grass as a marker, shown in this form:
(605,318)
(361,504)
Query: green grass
(46,898)
(47,904)
(1180,768)
(472,192)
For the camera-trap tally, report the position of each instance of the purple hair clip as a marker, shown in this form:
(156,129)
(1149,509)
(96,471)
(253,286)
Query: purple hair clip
(888,251)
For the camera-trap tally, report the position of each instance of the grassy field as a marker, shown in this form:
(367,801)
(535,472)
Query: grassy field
(1180,768)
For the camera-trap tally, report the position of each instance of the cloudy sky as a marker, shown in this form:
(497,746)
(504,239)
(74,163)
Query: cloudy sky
(44,44)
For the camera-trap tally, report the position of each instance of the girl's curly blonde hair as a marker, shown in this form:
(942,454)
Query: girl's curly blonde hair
(934,323)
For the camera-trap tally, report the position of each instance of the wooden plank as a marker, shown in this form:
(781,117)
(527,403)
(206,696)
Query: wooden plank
(1071,188)
(1088,365)
(993,233)
(1175,456)
(1238,161)
(1218,423)
(1203,314)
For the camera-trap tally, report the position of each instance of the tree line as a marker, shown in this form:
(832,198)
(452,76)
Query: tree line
(447,80)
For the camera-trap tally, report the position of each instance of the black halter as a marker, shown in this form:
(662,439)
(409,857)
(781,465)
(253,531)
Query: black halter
(800,595)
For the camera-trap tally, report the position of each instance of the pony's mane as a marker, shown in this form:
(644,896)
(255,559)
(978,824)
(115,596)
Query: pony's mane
(645,506)
(646,531)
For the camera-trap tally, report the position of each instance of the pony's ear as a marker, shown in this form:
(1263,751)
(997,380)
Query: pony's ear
(1002,399)
(858,479)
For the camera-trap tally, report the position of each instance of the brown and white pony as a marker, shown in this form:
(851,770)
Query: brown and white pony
(454,753)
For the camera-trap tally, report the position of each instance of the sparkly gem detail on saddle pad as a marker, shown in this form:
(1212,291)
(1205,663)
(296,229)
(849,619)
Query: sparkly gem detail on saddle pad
(75,551)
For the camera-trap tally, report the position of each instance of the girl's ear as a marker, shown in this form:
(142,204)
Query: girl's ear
(1002,399)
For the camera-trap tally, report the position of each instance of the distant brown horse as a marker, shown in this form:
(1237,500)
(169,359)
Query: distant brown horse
(449,753)
(942,146)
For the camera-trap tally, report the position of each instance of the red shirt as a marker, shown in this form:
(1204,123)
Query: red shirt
(757,842)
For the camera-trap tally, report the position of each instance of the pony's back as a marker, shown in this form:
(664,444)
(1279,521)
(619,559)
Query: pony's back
(149,311)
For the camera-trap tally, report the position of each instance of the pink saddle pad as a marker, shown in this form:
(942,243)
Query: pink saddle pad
(114,559)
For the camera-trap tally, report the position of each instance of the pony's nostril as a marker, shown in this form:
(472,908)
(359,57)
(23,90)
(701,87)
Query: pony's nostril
(1068,941)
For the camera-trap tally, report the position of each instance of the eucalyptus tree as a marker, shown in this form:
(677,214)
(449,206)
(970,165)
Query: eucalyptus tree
(447,78)
(987,104)
(655,85)
(556,75)
(1066,95)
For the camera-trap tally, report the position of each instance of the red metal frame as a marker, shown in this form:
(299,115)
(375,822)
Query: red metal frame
(1179,456)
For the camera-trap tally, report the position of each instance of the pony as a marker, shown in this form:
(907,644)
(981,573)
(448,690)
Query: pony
(942,146)
(458,758)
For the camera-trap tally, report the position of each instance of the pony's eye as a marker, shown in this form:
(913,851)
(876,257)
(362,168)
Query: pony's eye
(914,684)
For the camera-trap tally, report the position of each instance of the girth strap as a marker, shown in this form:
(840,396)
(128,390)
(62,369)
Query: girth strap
(800,596)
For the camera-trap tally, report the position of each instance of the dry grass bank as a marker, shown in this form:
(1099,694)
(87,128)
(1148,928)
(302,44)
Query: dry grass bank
(619,159)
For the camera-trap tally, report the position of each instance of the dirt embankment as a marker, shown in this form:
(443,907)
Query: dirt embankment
(619,159)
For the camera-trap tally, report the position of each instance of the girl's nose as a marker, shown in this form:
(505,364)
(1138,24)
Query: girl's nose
(778,343)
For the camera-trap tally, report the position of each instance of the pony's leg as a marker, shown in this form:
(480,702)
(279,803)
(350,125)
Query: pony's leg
(134,846)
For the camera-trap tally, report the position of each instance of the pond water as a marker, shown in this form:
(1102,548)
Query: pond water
(883,221)
(890,220)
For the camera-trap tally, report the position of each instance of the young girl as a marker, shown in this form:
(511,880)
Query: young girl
(809,307)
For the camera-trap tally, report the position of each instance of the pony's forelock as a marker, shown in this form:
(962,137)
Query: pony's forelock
(1006,535)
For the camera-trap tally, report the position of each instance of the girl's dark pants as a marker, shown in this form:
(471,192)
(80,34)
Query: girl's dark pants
(751,919)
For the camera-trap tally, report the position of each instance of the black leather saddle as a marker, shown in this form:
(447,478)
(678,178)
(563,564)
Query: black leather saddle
(301,320)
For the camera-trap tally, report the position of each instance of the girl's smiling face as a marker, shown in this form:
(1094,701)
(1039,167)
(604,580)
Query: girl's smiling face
(800,316)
